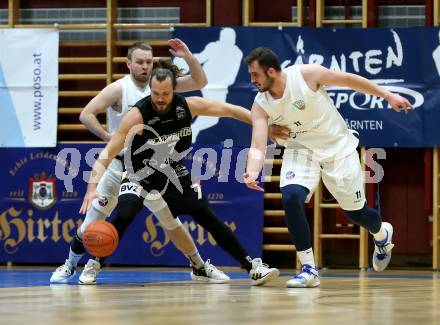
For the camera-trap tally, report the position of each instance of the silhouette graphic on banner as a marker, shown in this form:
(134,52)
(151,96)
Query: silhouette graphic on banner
(221,61)
(436,56)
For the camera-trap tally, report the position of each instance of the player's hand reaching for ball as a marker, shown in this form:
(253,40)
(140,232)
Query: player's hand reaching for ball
(91,194)
(250,179)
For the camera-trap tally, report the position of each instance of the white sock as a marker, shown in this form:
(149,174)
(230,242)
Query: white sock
(196,260)
(306,257)
(381,235)
(74,258)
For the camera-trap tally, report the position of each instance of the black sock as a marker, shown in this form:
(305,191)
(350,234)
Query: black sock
(224,237)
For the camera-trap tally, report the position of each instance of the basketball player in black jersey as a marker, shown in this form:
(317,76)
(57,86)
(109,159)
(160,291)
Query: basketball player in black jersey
(158,130)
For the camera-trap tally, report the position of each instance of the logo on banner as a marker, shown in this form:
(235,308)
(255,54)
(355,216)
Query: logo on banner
(299,104)
(42,193)
(371,62)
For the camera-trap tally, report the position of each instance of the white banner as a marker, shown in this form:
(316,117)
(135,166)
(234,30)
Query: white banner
(28,87)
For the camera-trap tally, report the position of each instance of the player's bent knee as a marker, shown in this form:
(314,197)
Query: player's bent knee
(128,206)
(155,202)
(294,194)
(167,219)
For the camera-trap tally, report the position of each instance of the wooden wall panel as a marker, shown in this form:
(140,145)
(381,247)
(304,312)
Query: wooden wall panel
(402,195)
(227,12)
(279,12)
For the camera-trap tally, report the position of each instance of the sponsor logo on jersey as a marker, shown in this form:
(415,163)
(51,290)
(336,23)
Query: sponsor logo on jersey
(130,188)
(299,104)
(180,112)
(290,175)
(181,170)
(184,132)
(153,120)
(295,134)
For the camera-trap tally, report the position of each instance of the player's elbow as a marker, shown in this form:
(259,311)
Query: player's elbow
(84,117)
(203,81)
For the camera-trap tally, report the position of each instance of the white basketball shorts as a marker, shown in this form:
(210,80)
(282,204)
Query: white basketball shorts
(342,177)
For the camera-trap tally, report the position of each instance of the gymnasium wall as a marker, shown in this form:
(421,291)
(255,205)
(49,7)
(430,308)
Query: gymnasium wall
(406,185)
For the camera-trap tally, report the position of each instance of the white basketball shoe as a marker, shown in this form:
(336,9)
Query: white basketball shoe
(63,273)
(382,250)
(209,273)
(90,272)
(307,278)
(261,273)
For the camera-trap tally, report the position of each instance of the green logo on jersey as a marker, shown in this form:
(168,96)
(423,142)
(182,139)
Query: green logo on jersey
(299,104)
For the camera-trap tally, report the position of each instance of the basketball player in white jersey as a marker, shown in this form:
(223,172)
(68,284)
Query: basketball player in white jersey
(319,143)
(117,99)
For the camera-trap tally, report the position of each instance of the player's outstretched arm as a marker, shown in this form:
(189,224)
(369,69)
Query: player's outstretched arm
(210,107)
(316,75)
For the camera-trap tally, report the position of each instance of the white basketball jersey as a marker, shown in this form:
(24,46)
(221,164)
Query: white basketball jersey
(313,120)
(131,94)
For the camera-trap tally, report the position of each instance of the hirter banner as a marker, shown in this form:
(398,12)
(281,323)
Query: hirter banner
(42,191)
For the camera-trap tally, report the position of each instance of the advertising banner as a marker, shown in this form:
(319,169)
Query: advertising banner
(403,60)
(43,190)
(28,87)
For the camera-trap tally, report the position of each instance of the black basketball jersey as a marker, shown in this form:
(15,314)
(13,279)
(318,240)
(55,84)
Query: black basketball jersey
(165,137)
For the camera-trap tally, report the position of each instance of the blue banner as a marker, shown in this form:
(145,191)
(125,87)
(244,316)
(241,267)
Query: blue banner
(402,60)
(43,189)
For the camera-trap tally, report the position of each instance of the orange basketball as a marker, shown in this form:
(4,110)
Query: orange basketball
(100,238)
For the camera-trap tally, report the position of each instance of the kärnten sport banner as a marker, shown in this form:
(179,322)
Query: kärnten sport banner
(402,60)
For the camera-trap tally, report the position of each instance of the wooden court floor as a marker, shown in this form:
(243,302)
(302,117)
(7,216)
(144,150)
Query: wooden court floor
(167,296)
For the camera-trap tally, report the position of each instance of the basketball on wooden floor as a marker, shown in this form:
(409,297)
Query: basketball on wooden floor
(100,238)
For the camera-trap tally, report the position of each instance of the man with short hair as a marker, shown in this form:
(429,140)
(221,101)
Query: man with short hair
(317,141)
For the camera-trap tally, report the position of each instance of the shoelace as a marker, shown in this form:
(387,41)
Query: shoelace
(305,269)
(261,267)
(383,253)
(64,268)
(382,249)
(90,269)
(211,268)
